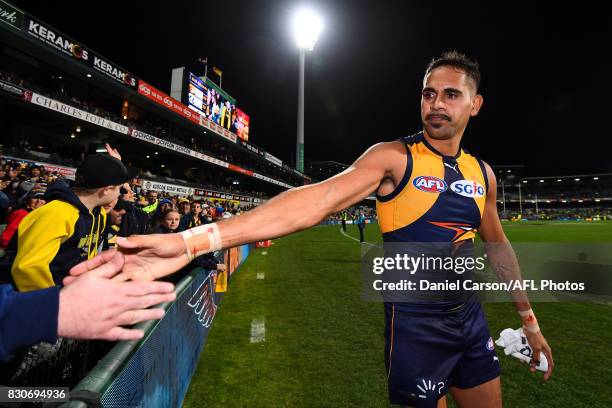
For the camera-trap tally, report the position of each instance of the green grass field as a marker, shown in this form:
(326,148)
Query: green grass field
(324,344)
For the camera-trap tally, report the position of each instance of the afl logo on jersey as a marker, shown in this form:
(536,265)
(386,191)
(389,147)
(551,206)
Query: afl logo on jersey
(468,188)
(430,184)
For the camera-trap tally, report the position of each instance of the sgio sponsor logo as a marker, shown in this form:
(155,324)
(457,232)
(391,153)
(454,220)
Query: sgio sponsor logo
(430,184)
(468,188)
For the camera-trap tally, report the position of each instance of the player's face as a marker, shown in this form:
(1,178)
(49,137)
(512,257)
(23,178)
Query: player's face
(448,100)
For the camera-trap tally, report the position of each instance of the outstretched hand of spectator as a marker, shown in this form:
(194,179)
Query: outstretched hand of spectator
(94,306)
(112,152)
(150,257)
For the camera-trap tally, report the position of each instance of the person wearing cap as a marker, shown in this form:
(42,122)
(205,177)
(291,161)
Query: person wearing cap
(68,229)
(33,200)
(184,206)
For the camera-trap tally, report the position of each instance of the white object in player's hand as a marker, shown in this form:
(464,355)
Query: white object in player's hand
(515,344)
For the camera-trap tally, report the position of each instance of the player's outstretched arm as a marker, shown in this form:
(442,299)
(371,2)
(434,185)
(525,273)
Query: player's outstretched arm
(505,264)
(153,256)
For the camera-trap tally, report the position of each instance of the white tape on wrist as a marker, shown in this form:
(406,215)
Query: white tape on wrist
(532,328)
(530,323)
(201,240)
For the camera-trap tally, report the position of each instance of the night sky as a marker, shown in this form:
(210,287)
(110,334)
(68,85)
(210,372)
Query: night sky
(545,71)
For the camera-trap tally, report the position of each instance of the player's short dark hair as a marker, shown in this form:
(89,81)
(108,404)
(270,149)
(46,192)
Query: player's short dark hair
(458,60)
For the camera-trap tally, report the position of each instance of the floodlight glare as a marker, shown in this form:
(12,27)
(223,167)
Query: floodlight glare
(306,28)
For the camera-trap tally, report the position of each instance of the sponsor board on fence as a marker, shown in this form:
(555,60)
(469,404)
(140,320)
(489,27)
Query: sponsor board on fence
(60,107)
(12,89)
(252,148)
(210,194)
(55,39)
(210,125)
(67,46)
(66,172)
(274,160)
(167,188)
(161,98)
(175,147)
(11,15)
(113,71)
(76,113)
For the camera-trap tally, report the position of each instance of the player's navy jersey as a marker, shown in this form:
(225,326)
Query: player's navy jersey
(433,213)
(439,199)
(434,339)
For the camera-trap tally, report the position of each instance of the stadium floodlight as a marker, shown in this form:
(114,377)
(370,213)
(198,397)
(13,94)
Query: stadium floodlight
(595,178)
(541,181)
(558,179)
(576,179)
(88,75)
(306,29)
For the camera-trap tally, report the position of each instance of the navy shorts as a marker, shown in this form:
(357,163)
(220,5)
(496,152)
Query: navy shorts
(427,351)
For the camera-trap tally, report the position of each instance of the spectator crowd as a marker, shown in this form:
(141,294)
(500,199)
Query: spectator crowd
(52,225)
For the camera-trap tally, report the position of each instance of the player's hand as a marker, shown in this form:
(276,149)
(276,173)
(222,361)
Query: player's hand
(93,306)
(150,257)
(539,344)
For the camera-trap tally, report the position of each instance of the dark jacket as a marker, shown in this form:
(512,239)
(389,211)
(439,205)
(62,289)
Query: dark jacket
(27,318)
(160,229)
(157,216)
(189,221)
(134,221)
(54,238)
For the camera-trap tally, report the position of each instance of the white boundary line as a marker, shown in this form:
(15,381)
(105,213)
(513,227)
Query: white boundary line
(355,239)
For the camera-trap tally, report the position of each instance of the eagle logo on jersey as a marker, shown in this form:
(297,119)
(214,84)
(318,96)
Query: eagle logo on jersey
(430,184)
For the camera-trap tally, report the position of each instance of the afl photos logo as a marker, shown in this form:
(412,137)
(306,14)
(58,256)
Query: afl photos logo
(468,188)
(430,184)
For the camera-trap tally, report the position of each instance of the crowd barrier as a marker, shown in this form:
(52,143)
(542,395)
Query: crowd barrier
(156,370)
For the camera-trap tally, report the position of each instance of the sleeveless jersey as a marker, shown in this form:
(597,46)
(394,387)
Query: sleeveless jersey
(439,199)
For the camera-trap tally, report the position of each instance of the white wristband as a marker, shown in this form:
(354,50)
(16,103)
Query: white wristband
(530,323)
(532,328)
(201,240)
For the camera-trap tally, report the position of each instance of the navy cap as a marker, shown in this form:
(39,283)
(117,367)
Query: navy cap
(101,170)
